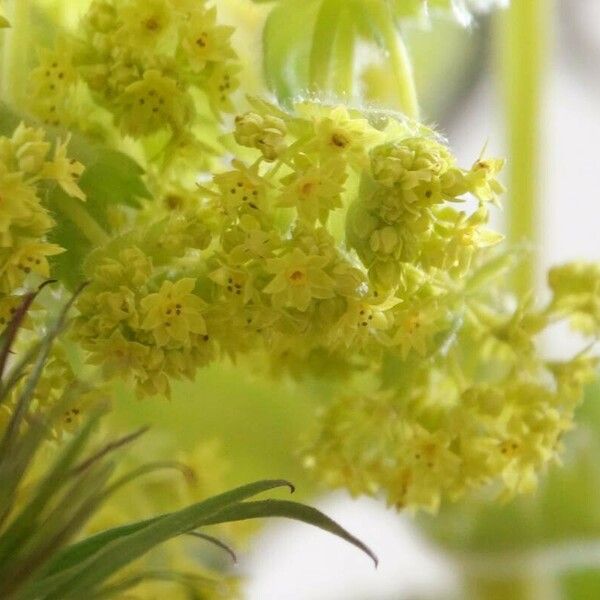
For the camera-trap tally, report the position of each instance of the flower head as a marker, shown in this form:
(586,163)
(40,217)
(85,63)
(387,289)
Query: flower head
(173,313)
(298,279)
(65,171)
(145,24)
(203,41)
(151,102)
(314,189)
(264,132)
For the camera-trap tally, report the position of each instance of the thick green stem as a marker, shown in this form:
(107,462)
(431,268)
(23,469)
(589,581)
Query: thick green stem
(73,210)
(523,39)
(15,55)
(401,71)
(344,52)
(323,44)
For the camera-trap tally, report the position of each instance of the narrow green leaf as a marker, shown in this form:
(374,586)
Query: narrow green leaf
(9,333)
(80,551)
(108,449)
(25,523)
(26,395)
(215,542)
(187,580)
(58,527)
(12,470)
(262,509)
(83,566)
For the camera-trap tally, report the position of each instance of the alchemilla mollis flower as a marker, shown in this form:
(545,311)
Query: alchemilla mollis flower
(342,238)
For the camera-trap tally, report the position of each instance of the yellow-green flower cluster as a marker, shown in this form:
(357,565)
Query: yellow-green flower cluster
(343,236)
(140,326)
(485,411)
(155,65)
(576,292)
(27,166)
(443,439)
(343,247)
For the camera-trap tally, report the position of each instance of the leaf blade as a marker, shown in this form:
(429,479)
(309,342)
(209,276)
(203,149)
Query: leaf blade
(291,510)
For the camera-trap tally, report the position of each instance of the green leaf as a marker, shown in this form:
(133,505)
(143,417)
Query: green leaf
(23,526)
(186,580)
(83,566)
(215,542)
(263,509)
(110,179)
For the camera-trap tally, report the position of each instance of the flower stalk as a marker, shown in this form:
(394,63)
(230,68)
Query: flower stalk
(15,51)
(523,44)
(401,66)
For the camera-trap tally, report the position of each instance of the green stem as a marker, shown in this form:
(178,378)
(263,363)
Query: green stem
(523,48)
(73,210)
(344,52)
(322,47)
(402,77)
(15,53)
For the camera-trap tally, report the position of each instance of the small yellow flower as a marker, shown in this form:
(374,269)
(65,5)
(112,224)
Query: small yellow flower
(204,41)
(173,313)
(21,212)
(242,190)
(221,82)
(314,190)
(29,148)
(8,307)
(365,319)
(249,240)
(482,179)
(120,356)
(263,132)
(415,329)
(146,24)
(337,133)
(152,103)
(54,75)
(65,171)
(17,263)
(237,284)
(298,279)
